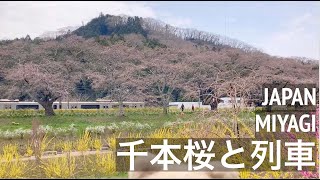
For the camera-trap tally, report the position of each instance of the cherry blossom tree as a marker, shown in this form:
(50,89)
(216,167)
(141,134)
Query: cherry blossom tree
(43,83)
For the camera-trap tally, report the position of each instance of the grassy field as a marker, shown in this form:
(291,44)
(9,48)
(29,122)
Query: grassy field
(16,126)
(14,119)
(68,125)
(85,118)
(82,122)
(84,131)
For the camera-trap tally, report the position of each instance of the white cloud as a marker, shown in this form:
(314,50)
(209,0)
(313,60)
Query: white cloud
(179,22)
(232,20)
(169,18)
(299,21)
(299,37)
(17,19)
(20,18)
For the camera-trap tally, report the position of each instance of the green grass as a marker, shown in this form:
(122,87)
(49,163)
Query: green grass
(83,122)
(155,120)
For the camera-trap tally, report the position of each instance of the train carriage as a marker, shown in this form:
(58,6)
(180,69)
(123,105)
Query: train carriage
(16,105)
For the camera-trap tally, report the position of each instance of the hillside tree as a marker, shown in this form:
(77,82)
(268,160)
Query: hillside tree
(43,83)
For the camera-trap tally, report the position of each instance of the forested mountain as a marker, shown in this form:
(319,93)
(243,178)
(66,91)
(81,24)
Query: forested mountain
(132,58)
(108,25)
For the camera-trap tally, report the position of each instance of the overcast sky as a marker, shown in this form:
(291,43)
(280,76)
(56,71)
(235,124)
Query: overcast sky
(278,28)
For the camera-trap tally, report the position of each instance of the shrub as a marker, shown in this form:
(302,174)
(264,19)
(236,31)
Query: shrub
(96,129)
(96,144)
(10,164)
(63,167)
(83,144)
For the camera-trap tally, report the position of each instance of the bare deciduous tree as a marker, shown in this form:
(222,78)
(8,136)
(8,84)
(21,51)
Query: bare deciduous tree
(165,81)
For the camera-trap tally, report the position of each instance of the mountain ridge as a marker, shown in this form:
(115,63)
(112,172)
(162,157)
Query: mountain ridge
(139,55)
(144,26)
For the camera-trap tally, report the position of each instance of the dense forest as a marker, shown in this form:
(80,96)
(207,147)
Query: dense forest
(140,59)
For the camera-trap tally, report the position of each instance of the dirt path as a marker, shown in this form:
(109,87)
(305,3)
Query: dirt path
(74,153)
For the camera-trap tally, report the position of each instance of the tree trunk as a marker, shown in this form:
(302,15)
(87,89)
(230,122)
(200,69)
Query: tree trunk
(48,108)
(164,105)
(214,105)
(235,120)
(268,108)
(121,111)
(165,109)
(236,129)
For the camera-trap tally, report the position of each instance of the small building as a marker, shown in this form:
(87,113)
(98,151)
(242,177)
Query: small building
(188,105)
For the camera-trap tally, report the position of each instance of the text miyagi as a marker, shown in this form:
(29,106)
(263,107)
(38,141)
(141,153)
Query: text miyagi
(303,124)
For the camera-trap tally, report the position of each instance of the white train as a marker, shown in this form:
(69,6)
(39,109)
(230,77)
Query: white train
(225,102)
(16,104)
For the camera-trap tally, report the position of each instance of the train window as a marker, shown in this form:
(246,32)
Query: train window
(27,106)
(55,106)
(90,107)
